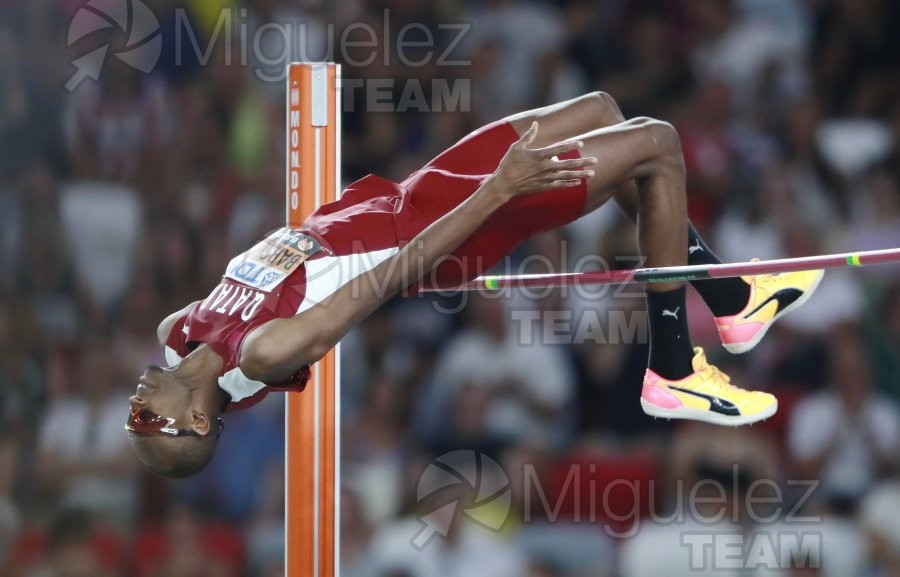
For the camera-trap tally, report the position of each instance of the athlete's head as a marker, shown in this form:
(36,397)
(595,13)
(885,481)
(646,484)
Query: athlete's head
(173,424)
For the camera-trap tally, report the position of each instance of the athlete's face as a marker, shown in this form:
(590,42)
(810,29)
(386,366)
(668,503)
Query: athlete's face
(160,392)
(173,426)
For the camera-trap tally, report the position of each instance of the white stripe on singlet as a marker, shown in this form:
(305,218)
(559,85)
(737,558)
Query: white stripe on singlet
(324,276)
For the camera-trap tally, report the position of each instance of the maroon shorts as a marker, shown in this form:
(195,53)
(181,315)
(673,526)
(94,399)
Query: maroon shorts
(374,213)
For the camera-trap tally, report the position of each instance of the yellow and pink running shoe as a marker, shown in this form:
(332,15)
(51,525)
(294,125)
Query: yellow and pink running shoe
(705,395)
(771,297)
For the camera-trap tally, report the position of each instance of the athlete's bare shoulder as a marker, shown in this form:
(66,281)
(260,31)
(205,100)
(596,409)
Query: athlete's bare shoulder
(165,327)
(279,348)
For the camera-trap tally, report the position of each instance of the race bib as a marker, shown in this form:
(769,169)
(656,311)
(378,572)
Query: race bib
(273,259)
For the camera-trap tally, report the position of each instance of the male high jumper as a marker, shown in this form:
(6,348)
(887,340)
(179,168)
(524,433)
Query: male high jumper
(288,300)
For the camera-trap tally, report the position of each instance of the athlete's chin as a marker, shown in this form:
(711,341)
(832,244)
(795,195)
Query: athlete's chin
(156,382)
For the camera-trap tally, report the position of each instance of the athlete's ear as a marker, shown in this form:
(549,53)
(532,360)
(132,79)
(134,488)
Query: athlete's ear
(199,422)
(530,134)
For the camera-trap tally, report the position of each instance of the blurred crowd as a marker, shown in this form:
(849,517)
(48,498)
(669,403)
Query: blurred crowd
(122,200)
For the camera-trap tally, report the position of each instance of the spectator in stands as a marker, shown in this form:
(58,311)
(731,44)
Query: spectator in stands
(356,537)
(376,450)
(235,485)
(10,516)
(531,384)
(884,341)
(467,549)
(83,457)
(849,434)
(74,545)
(880,517)
(185,545)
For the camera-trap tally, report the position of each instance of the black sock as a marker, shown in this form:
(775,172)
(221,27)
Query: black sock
(670,341)
(723,296)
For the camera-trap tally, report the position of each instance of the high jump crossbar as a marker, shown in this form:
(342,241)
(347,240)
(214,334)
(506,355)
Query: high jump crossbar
(676,273)
(312,418)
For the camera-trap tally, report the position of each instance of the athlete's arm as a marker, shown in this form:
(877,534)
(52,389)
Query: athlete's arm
(165,327)
(281,347)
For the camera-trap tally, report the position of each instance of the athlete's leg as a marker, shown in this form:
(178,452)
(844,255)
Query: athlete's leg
(679,383)
(739,305)
(641,165)
(568,119)
(642,153)
(599,110)
(744,308)
(642,149)
(576,117)
(648,152)
(722,296)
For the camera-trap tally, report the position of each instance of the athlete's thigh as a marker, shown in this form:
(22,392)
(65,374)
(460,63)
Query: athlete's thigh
(562,120)
(624,152)
(481,151)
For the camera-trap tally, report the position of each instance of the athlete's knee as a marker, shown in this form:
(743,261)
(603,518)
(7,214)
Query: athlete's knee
(640,121)
(604,111)
(665,141)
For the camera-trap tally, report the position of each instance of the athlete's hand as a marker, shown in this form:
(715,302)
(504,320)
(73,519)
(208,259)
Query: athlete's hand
(525,170)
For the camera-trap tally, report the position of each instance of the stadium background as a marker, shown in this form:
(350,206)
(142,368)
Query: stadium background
(123,200)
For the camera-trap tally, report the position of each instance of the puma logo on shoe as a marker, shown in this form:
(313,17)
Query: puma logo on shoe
(716,404)
(673,314)
(695,248)
(784,298)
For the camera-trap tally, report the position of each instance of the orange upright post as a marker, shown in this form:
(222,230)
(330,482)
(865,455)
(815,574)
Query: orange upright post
(312,421)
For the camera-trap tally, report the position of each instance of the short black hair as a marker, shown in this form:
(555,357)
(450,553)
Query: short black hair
(175,457)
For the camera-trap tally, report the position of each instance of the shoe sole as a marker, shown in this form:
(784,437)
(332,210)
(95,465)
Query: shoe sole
(690,414)
(741,348)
